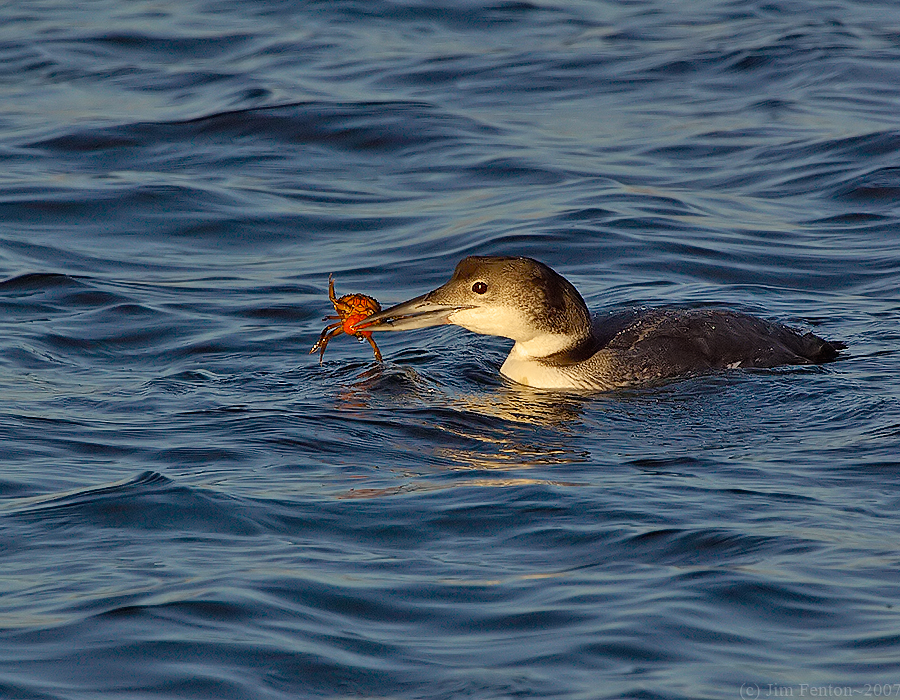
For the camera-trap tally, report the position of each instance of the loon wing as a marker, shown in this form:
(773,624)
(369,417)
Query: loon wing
(682,340)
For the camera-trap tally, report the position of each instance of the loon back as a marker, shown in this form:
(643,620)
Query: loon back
(651,345)
(559,346)
(711,339)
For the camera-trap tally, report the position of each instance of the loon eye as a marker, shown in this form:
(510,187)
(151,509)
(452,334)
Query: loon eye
(479,287)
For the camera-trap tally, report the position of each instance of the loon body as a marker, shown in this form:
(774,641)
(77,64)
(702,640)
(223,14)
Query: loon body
(559,346)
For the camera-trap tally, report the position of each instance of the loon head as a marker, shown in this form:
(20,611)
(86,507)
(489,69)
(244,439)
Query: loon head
(512,297)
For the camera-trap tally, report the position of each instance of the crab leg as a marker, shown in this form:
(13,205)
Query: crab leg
(374,347)
(331,290)
(327,334)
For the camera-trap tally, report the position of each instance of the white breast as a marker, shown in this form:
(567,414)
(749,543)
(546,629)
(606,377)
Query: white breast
(525,369)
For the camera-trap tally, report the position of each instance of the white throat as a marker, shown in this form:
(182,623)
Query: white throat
(527,369)
(509,323)
(542,345)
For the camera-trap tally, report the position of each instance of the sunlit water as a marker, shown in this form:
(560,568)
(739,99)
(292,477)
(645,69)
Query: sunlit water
(190,506)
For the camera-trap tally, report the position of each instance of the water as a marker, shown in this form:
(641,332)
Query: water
(193,507)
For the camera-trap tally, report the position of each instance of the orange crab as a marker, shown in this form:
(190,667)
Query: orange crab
(351,309)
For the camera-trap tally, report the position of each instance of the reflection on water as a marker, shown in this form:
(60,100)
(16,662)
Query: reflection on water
(190,506)
(520,404)
(496,428)
(424,486)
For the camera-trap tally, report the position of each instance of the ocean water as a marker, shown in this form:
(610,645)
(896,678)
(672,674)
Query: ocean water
(192,507)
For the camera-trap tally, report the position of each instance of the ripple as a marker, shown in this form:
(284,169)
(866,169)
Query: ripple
(191,506)
(147,501)
(377,126)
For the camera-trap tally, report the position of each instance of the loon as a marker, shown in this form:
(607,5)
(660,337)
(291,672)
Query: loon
(559,346)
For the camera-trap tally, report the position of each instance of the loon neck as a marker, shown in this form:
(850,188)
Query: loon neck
(559,349)
(560,370)
(550,360)
(545,345)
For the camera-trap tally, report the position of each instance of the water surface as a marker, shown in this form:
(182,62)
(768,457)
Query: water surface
(190,506)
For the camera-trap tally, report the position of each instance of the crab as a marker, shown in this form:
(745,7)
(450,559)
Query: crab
(351,309)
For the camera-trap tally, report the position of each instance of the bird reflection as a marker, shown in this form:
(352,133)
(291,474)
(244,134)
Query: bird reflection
(502,430)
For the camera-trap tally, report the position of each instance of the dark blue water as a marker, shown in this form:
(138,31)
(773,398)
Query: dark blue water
(191,507)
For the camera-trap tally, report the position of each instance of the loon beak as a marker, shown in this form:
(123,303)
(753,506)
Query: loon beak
(415,313)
